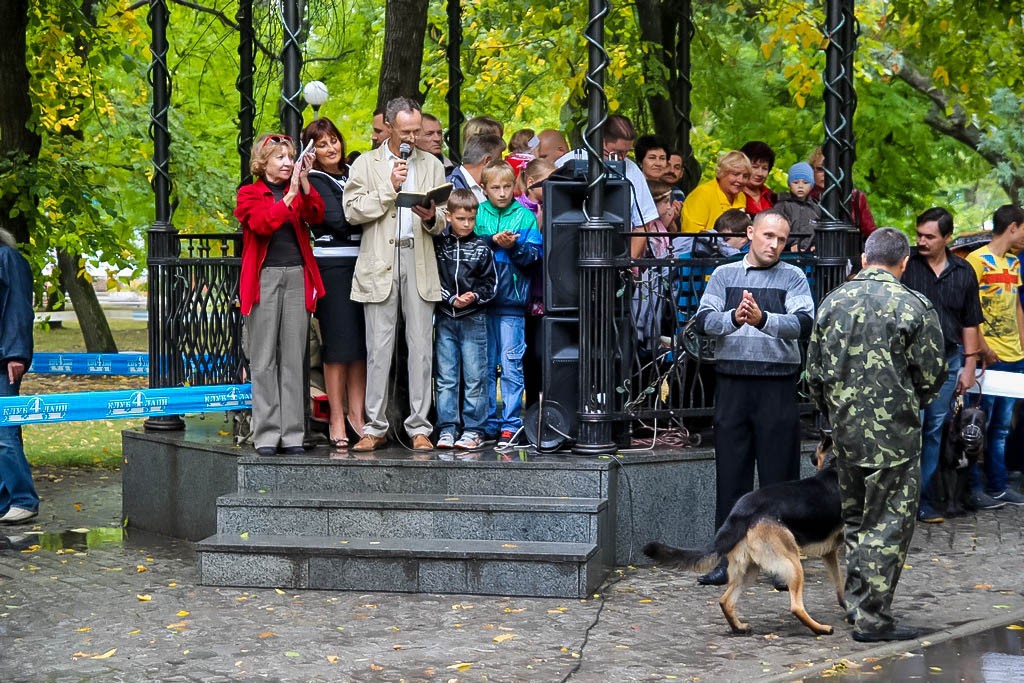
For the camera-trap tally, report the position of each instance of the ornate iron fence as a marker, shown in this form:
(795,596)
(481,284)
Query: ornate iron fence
(202,321)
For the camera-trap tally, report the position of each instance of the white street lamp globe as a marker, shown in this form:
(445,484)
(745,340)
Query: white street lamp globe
(315,93)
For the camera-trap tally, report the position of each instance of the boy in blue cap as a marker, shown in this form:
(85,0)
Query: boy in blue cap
(799,208)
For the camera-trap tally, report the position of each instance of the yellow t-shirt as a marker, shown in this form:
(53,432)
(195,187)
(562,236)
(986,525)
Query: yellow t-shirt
(705,204)
(998,282)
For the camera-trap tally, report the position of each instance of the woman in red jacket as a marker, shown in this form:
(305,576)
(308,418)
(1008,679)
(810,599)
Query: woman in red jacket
(279,286)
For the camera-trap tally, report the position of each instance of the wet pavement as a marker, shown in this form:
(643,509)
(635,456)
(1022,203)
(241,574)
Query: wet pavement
(79,600)
(995,655)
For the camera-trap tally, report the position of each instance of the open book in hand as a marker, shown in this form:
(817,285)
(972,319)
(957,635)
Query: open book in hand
(409,199)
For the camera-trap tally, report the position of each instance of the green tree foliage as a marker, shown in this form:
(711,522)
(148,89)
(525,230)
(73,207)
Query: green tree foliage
(938,119)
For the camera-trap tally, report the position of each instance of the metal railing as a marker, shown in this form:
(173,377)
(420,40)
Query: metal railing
(202,322)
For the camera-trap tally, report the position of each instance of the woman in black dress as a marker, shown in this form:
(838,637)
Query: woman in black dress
(341,320)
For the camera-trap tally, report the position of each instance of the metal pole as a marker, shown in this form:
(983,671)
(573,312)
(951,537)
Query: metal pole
(834,232)
(246,102)
(453,52)
(597,264)
(164,362)
(291,57)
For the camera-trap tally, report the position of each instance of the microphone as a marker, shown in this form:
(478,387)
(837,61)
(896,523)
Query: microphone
(405,150)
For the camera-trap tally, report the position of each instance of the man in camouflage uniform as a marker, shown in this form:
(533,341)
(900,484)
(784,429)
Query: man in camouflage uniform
(875,357)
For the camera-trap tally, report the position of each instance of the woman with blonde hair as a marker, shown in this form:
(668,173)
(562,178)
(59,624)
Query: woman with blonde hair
(710,200)
(278,289)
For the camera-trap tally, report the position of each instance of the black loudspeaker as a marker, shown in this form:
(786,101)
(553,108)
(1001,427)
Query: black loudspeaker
(560,370)
(563,215)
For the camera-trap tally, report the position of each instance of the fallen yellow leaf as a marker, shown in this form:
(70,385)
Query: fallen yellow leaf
(144,598)
(1015,627)
(134,633)
(983,586)
(503,637)
(461,666)
(376,667)
(183,613)
(141,568)
(106,655)
(279,591)
(646,600)
(84,629)
(333,659)
(180,626)
(509,545)
(268,634)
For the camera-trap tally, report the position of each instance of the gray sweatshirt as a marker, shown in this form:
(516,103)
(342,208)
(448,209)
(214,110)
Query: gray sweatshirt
(782,293)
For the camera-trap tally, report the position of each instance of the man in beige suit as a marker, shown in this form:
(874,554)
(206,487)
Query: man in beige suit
(396,269)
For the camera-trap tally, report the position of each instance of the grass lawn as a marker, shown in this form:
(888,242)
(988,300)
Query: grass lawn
(130,335)
(81,444)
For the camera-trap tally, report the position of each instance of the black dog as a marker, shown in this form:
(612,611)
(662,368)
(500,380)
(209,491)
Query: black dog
(963,443)
(768,529)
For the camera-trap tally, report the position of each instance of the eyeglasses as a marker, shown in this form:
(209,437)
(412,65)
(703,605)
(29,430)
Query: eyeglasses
(276,139)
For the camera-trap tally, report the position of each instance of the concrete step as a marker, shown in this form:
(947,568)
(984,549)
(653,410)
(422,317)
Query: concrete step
(556,476)
(389,515)
(476,567)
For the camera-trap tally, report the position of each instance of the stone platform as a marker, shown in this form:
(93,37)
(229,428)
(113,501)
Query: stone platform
(509,523)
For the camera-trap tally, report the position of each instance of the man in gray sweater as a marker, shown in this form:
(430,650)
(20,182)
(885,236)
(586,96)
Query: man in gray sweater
(757,309)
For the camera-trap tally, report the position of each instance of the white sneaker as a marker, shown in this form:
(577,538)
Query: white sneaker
(446,440)
(16,515)
(470,441)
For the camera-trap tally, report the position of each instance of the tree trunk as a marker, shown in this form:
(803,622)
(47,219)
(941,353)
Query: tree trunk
(18,145)
(661,23)
(95,328)
(405,25)
(659,27)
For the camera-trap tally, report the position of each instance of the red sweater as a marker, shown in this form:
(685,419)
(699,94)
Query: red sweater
(260,215)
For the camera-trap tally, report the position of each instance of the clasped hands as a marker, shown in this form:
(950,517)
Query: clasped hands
(748,312)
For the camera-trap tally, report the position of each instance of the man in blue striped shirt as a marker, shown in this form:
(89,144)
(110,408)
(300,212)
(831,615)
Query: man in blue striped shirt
(757,309)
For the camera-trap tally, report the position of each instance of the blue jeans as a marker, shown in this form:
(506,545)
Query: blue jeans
(933,418)
(460,347)
(1000,413)
(16,487)
(506,341)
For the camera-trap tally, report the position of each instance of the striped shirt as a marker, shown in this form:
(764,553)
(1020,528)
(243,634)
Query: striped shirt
(782,293)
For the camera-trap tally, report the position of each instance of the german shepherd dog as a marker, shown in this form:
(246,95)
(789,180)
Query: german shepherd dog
(768,529)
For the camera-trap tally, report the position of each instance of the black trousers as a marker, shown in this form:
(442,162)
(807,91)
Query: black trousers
(757,421)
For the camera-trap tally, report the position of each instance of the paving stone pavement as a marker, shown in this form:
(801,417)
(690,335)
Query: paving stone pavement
(82,607)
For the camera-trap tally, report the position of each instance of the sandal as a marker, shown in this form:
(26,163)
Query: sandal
(337,444)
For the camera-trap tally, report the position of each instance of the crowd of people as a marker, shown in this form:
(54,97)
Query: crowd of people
(888,351)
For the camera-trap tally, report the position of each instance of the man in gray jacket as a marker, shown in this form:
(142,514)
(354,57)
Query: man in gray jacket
(757,309)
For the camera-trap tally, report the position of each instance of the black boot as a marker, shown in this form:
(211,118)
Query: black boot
(719,576)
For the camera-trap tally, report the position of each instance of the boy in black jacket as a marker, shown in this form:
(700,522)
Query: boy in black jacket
(465,265)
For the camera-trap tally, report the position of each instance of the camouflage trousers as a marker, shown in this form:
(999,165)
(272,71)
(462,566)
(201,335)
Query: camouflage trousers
(879,510)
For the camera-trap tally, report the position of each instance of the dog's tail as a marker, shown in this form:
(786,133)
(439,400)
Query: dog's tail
(694,559)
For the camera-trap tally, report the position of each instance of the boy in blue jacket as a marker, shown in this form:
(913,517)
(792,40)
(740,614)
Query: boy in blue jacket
(511,231)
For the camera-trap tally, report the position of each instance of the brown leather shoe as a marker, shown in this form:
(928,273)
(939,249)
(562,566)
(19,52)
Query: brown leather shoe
(420,442)
(370,443)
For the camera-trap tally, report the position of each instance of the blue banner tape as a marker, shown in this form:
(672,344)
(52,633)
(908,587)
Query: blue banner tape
(91,363)
(114,405)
